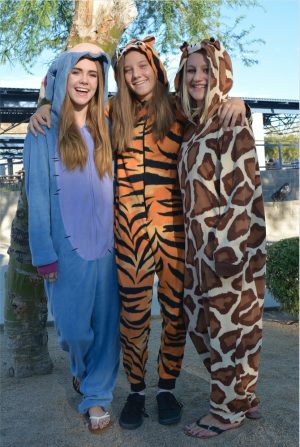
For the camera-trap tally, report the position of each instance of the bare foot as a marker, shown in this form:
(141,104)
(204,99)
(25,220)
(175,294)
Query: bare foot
(99,419)
(207,427)
(254,413)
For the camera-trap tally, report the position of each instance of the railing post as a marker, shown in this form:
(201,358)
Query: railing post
(10,169)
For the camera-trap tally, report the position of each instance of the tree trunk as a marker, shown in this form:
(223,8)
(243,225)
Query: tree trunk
(25,307)
(101,22)
(25,315)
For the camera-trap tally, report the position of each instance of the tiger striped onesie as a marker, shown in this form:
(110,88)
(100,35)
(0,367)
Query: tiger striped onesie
(150,239)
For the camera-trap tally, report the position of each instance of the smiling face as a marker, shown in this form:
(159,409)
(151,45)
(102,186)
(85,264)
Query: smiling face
(82,83)
(197,75)
(139,76)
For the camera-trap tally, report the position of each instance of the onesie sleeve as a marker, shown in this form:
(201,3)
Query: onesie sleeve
(37,185)
(238,170)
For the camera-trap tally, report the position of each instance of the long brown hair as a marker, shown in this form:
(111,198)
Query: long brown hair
(72,148)
(124,109)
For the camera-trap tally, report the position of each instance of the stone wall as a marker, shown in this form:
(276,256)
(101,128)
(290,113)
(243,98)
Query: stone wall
(273,179)
(282,217)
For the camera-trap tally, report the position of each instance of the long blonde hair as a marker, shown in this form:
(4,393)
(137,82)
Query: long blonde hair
(125,107)
(189,105)
(71,145)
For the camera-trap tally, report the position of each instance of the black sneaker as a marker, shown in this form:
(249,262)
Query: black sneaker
(133,412)
(169,409)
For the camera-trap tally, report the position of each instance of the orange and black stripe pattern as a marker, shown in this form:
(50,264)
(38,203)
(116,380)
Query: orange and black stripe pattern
(150,239)
(145,46)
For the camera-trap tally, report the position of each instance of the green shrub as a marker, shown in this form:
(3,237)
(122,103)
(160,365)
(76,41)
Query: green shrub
(283,273)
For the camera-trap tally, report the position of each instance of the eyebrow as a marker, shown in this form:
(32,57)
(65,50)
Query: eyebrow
(80,69)
(190,65)
(138,62)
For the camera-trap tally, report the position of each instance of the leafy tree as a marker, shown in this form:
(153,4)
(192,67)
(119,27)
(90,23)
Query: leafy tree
(27,27)
(287,144)
(175,21)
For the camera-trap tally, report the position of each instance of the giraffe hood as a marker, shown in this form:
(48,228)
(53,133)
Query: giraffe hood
(220,80)
(57,76)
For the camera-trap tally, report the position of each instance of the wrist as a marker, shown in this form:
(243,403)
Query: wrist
(43,102)
(48,268)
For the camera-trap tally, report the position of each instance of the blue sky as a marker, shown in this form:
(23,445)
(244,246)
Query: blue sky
(275,76)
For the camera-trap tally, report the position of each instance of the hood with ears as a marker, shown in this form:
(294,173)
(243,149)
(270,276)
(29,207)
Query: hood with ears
(220,81)
(57,76)
(145,46)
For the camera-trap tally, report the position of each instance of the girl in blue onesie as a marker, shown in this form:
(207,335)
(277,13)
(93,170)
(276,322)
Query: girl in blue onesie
(70,198)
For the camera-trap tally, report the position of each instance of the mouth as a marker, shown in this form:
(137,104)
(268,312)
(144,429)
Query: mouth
(137,84)
(81,91)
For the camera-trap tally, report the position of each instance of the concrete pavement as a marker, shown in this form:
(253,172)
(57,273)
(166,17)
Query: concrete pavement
(40,411)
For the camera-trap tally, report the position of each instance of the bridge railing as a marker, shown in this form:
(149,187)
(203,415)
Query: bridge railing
(11,156)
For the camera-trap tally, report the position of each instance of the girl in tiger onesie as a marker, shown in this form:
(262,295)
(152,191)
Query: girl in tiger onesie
(225,240)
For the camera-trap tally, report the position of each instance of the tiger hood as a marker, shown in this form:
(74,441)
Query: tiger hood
(145,46)
(221,79)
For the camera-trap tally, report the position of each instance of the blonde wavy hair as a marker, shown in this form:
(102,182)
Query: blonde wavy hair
(189,105)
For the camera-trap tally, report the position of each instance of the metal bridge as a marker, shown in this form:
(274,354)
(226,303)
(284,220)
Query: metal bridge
(18,104)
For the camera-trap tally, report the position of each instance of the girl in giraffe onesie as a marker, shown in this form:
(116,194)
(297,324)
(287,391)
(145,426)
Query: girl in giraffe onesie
(225,240)
(68,175)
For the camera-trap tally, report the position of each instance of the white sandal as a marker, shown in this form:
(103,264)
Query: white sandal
(98,419)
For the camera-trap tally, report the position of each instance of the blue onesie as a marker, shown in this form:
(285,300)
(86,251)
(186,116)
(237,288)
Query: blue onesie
(71,222)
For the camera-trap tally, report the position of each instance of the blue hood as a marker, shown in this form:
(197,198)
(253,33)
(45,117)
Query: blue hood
(58,74)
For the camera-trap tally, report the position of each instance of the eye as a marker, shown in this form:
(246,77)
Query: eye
(75,71)
(191,70)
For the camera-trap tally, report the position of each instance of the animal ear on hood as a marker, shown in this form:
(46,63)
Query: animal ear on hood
(145,46)
(220,69)
(59,70)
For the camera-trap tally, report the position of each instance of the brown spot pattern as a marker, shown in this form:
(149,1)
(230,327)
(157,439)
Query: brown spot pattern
(224,215)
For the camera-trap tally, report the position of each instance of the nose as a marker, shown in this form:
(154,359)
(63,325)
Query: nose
(200,75)
(135,73)
(84,78)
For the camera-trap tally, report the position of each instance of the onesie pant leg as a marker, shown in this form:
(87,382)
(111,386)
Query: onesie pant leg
(136,280)
(102,360)
(87,318)
(234,325)
(173,336)
(71,299)
(135,324)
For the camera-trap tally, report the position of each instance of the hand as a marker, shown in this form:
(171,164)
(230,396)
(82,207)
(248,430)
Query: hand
(51,277)
(42,117)
(231,111)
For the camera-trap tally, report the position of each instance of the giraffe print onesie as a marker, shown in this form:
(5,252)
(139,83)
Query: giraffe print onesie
(225,247)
